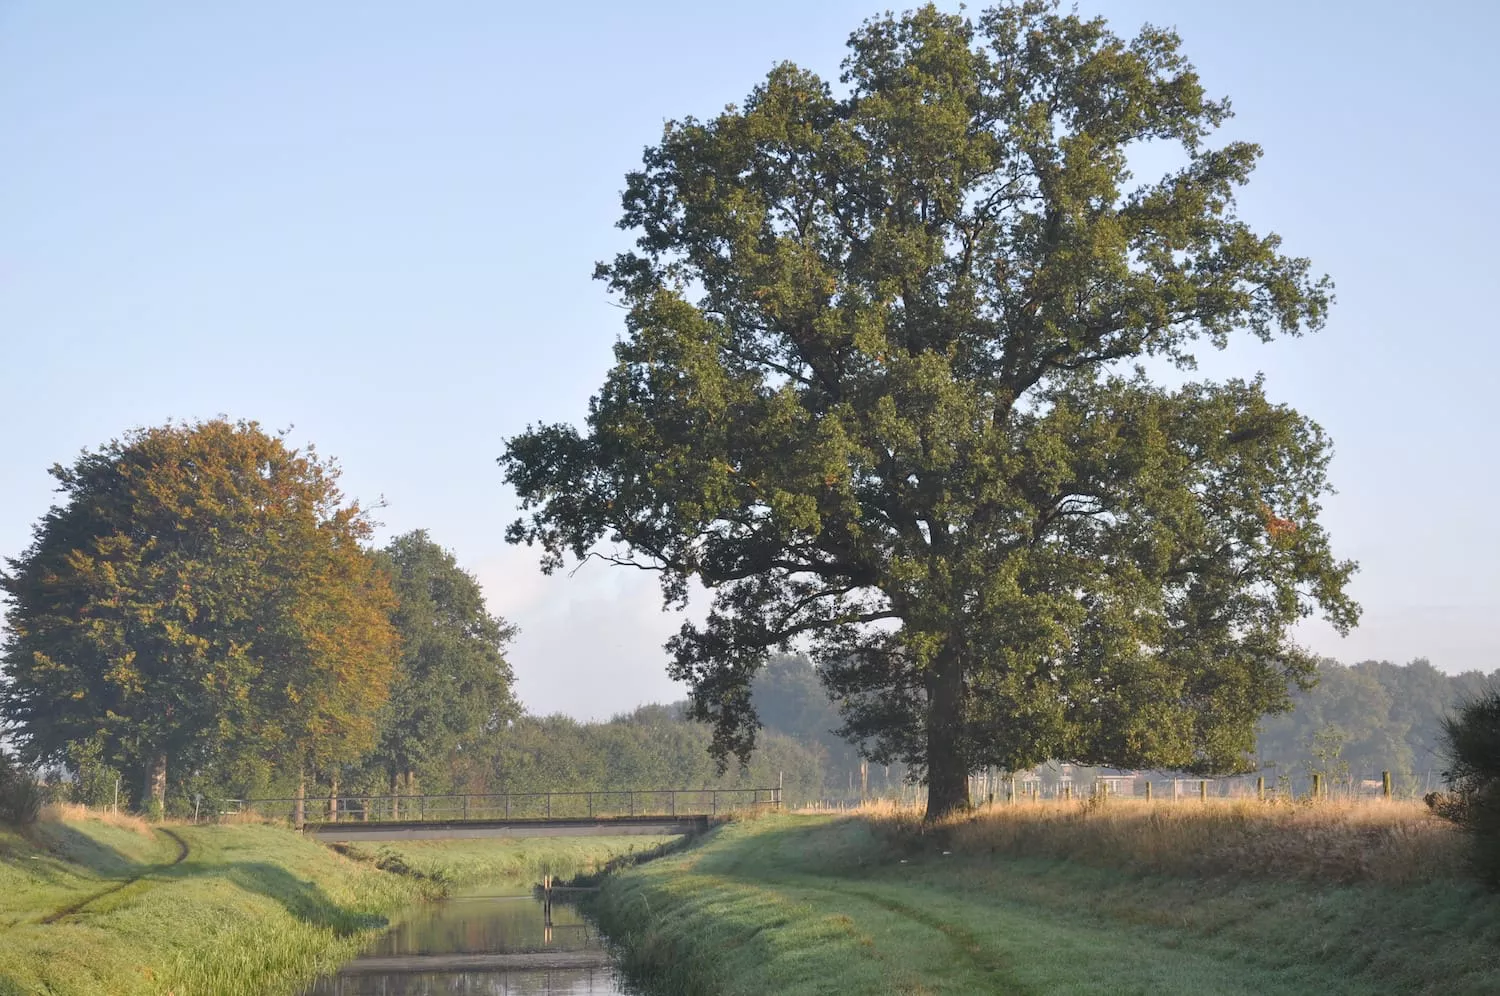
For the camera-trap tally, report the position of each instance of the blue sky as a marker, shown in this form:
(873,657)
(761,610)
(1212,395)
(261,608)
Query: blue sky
(376,223)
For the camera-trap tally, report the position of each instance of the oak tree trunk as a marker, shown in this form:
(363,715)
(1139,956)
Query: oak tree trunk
(333,797)
(395,794)
(947,768)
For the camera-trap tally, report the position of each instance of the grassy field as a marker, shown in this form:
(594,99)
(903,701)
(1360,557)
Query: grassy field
(1066,898)
(91,905)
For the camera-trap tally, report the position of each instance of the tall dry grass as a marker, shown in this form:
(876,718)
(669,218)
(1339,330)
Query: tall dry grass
(61,812)
(1387,842)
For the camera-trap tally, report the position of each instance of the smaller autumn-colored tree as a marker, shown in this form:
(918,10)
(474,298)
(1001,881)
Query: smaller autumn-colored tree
(324,687)
(200,588)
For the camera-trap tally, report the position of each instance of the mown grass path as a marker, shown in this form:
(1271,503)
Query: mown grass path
(803,905)
(144,875)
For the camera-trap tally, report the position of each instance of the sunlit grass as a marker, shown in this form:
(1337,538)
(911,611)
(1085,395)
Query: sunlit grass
(1214,897)
(253,909)
(1386,841)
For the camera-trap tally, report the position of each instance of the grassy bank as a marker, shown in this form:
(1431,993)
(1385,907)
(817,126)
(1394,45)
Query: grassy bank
(92,905)
(1065,899)
(461,864)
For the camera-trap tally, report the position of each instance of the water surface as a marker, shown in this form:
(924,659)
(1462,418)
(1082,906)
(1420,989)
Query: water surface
(481,945)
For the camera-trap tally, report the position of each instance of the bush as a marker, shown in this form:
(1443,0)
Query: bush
(1471,746)
(94,782)
(20,794)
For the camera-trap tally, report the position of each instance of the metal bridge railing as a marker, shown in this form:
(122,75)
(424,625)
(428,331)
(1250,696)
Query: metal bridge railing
(512,805)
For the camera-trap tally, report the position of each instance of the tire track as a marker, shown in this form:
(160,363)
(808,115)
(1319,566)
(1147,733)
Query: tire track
(964,940)
(77,906)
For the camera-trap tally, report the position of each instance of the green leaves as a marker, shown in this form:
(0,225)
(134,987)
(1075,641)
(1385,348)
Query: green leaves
(874,394)
(452,684)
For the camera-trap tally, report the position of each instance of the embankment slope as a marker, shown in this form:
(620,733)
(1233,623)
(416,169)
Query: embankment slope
(90,905)
(1049,902)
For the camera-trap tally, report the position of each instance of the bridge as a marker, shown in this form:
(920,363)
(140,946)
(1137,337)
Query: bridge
(654,812)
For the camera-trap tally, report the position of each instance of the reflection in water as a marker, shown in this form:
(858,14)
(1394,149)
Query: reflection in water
(564,982)
(480,946)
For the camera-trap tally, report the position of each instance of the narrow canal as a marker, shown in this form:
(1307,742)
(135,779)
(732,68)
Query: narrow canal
(481,945)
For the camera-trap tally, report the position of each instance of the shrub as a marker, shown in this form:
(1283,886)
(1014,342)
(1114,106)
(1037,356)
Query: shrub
(1471,746)
(94,782)
(21,795)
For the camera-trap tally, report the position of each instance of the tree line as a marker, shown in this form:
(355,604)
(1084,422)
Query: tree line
(201,598)
(202,608)
(1368,717)
(201,615)
(1352,723)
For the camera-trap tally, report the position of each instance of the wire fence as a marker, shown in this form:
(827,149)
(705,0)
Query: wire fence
(1060,784)
(466,807)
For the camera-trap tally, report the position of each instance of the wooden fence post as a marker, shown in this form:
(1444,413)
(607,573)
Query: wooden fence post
(1203,789)
(1385,784)
(1148,790)
(1260,787)
(1317,785)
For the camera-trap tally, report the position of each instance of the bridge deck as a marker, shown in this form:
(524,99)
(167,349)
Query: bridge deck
(602,826)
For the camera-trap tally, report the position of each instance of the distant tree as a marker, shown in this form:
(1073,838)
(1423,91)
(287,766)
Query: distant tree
(789,698)
(654,747)
(1421,698)
(880,392)
(199,588)
(1387,717)
(453,684)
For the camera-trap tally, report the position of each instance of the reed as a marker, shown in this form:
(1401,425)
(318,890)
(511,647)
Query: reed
(68,812)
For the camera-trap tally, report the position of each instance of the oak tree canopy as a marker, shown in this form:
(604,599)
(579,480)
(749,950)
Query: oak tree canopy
(882,390)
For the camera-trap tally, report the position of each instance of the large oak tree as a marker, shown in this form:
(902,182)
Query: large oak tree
(880,391)
(198,589)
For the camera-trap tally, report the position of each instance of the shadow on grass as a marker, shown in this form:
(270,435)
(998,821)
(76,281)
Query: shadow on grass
(303,899)
(846,847)
(77,848)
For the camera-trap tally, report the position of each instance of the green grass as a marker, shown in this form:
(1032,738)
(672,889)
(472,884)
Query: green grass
(816,904)
(89,908)
(459,864)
